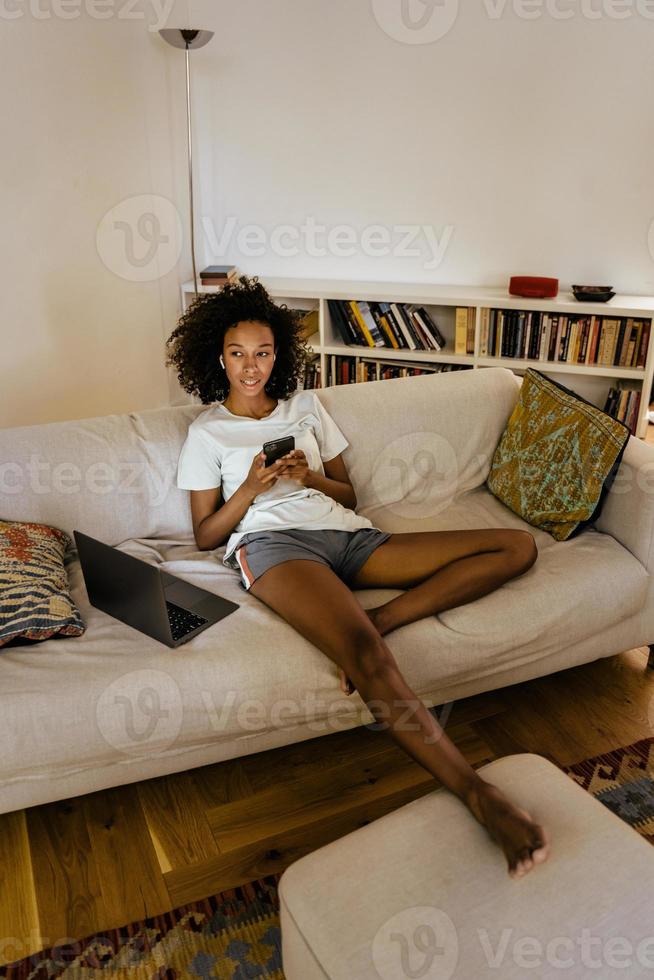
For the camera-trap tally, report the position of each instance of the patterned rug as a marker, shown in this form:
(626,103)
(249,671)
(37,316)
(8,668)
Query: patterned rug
(236,936)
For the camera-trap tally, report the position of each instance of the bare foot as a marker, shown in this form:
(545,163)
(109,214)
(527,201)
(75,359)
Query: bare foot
(524,842)
(345,683)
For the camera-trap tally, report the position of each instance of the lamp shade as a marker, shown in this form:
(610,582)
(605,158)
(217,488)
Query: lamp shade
(186,39)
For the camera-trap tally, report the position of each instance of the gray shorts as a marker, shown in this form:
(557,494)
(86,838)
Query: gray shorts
(342,551)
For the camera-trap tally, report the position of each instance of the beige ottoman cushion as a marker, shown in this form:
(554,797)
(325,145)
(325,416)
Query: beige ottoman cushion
(425,892)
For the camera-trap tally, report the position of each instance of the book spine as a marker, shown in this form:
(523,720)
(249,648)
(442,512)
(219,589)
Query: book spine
(470,332)
(545,328)
(353,323)
(596,339)
(422,324)
(399,319)
(623,341)
(483,339)
(431,323)
(528,329)
(360,323)
(492,334)
(386,312)
(644,344)
(461,330)
(369,320)
(382,326)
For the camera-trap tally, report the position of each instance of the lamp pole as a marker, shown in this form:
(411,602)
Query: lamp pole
(189,40)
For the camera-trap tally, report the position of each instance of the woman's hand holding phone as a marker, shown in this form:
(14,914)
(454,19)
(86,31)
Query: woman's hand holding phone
(261,477)
(295,466)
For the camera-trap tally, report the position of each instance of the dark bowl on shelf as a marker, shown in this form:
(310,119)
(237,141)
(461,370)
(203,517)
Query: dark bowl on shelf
(593,294)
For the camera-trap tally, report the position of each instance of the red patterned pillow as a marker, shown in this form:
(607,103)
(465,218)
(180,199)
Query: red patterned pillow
(35,603)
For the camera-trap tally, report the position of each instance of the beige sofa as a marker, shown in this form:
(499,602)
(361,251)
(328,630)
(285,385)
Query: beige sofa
(113,706)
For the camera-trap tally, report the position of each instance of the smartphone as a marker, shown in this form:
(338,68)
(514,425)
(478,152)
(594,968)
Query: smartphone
(277,448)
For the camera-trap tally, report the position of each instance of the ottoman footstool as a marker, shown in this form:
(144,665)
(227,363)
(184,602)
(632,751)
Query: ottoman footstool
(425,892)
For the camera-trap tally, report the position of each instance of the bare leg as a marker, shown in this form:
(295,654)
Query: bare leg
(310,597)
(449,567)
(441,570)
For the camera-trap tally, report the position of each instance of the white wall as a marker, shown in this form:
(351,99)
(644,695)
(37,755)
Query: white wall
(532,139)
(92,114)
(528,142)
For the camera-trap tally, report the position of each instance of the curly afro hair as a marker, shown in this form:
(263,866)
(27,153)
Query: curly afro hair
(195,345)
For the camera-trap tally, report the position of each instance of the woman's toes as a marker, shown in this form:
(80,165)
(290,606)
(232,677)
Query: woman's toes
(540,846)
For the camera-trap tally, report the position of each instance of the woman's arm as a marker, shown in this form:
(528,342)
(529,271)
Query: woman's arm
(336,482)
(214,521)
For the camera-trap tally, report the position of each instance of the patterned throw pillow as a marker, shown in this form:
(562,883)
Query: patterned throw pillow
(34,599)
(557,458)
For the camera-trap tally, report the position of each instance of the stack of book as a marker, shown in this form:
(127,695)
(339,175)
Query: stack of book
(217,275)
(399,326)
(572,338)
(623,404)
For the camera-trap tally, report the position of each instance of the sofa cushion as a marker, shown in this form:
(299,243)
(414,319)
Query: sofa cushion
(35,603)
(557,457)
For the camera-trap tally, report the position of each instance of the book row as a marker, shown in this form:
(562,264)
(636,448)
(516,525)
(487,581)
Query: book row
(398,326)
(345,370)
(623,404)
(572,338)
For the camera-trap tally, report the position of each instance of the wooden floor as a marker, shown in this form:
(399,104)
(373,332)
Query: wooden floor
(95,862)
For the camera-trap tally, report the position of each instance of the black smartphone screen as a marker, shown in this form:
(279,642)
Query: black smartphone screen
(277,448)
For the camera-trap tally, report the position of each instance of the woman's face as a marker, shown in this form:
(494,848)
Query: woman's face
(248,350)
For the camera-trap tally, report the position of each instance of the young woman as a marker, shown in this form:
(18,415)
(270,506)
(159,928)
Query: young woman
(293,533)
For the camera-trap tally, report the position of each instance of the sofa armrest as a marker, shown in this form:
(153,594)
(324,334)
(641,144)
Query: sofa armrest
(628,511)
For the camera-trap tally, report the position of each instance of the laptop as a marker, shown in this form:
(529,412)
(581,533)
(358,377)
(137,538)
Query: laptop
(159,604)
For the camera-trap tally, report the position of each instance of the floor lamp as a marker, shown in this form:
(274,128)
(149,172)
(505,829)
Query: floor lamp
(188,40)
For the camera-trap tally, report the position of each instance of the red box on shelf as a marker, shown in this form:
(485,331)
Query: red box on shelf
(534,287)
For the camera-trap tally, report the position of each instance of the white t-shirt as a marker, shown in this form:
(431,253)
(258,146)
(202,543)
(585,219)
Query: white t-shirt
(219,450)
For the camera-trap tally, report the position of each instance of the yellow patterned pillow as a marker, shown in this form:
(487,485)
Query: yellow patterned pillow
(35,603)
(557,458)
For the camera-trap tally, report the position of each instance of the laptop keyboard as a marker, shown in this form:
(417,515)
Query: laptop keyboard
(182,621)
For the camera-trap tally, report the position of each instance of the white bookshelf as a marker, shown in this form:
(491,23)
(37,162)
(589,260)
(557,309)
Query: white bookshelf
(589,381)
